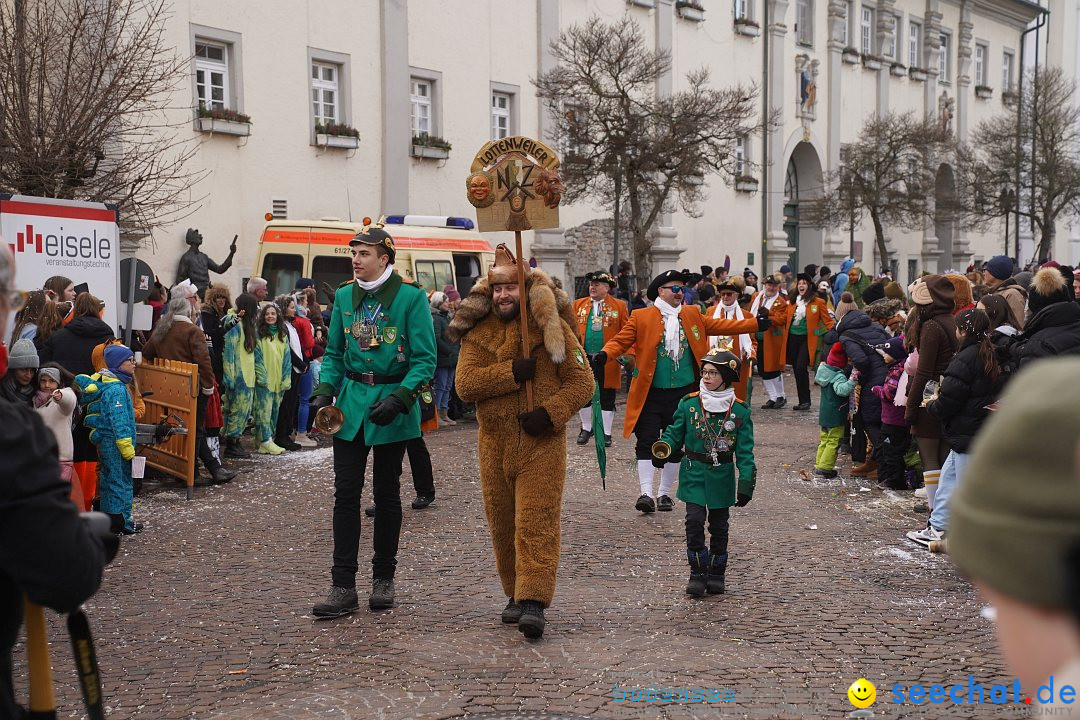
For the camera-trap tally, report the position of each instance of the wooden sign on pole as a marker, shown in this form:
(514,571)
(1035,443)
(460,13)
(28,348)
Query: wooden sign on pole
(515,185)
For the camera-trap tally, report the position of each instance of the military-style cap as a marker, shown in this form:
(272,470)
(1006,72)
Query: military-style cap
(725,362)
(375,235)
(600,276)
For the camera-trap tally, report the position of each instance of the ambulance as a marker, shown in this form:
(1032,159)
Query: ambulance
(433,250)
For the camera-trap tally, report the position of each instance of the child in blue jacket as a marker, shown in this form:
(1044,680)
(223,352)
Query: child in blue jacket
(832,413)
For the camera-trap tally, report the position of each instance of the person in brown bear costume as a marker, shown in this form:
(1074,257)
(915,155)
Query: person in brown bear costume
(522,452)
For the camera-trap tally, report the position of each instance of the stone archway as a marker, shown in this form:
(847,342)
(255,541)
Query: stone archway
(945,213)
(803,180)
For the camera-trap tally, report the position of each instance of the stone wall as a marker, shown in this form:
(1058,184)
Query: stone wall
(593,243)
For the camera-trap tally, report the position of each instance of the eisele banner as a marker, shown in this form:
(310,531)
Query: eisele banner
(79,240)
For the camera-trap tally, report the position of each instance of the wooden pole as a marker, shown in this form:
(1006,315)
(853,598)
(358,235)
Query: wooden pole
(42,700)
(522,293)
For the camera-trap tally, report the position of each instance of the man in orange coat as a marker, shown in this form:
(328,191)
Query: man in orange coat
(599,317)
(771,343)
(742,346)
(671,338)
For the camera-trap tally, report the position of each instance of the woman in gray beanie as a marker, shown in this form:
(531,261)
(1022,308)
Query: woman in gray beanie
(18,385)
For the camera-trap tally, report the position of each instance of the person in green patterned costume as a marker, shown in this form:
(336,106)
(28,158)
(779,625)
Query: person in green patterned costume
(717,433)
(273,376)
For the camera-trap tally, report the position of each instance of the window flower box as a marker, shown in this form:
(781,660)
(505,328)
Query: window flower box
(430,146)
(224,122)
(898,69)
(850,56)
(337,135)
(917,74)
(871,62)
(642,3)
(1009,98)
(746,26)
(746,184)
(690,10)
(984,91)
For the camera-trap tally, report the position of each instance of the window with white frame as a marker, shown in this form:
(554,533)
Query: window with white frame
(212,75)
(420,97)
(500,115)
(1006,71)
(804,22)
(980,64)
(867,31)
(944,64)
(741,151)
(326,93)
(914,44)
(742,9)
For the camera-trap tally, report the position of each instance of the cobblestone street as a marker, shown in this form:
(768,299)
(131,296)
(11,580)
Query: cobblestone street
(207,613)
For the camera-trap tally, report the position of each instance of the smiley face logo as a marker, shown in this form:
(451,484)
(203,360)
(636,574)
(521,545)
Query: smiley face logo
(862,693)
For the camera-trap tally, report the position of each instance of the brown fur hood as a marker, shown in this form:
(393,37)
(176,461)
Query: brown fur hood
(547,304)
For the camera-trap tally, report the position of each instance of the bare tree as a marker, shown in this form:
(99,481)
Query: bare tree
(85,87)
(887,175)
(1000,151)
(623,141)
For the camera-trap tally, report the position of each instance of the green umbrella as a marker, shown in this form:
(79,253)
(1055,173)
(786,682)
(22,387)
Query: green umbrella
(598,436)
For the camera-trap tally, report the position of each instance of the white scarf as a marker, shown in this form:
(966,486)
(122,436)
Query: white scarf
(374,284)
(715,401)
(800,310)
(672,326)
(294,340)
(598,308)
(1006,330)
(762,298)
(733,311)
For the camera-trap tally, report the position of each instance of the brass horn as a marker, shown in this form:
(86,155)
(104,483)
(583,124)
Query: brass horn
(661,450)
(329,419)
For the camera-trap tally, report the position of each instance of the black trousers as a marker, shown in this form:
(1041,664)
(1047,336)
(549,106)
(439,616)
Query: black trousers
(290,403)
(423,478)
(607,399)
(895,440)
(718,528)
(202,447)
(350,462)
(656,414)
(858,439)
(798,356)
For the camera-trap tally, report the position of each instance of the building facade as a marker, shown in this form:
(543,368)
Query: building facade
(425,84)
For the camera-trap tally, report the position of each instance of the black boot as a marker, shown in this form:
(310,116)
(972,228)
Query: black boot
(340,601)
(512,612)
(532,622)
(382,594)
(714,583)
(234,449)
(584,436)
(699,568)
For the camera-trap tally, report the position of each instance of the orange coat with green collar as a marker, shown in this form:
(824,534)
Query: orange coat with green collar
(818,322)
(615,316)
(645,330)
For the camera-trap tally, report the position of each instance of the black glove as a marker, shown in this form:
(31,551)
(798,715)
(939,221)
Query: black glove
(742,500)
(318,402)
(100,525)
(384,411)
(524,369)
(763,321)
(536,422)
(598,361)
(658,463)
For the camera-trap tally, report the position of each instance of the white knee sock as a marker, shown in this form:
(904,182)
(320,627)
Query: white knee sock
(609,420)
(930,481)
(775,387)
(645,476)
(668,476)
(585,414)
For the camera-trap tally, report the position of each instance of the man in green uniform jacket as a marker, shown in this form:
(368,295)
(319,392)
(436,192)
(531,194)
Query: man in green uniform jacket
(380,353)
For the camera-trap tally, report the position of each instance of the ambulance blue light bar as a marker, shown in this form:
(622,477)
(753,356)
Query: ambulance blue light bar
(430,221)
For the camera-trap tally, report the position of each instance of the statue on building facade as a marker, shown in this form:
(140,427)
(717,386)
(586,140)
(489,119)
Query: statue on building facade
(196,265)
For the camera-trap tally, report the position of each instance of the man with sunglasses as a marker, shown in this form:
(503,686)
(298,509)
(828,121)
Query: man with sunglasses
(670,339)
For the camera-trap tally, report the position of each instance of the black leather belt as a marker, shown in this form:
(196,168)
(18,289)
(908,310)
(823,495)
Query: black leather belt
(373,378)
(722,458)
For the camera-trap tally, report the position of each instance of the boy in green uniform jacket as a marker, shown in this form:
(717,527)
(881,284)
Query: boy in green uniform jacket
(380,354)
(716,431)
